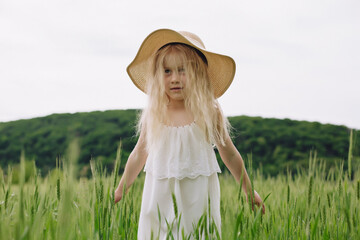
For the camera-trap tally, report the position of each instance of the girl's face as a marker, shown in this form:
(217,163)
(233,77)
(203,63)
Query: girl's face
(174,77)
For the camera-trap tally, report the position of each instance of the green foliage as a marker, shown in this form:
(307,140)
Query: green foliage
(62,207)
(29,169)
(276,145)
(45,139)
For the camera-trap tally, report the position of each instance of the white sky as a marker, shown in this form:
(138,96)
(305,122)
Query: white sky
(296,59)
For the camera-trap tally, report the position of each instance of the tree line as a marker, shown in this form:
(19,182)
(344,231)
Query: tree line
(273,145)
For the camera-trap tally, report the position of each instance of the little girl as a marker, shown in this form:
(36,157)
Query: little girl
(178,129)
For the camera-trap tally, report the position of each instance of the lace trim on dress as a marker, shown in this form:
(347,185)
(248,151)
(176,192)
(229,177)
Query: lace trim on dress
(181,126)
(181,152)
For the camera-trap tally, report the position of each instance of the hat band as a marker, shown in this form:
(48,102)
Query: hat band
(201,55)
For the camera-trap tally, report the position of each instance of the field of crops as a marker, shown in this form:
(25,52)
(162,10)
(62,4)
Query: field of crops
(315,204)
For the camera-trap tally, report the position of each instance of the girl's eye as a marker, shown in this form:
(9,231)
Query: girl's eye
(181,70)
(167,71)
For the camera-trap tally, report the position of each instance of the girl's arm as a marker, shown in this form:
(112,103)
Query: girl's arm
(135,163)
(234,162)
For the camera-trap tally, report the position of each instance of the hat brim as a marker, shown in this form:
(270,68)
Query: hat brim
(221,68)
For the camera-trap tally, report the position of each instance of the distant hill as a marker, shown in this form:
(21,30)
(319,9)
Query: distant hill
(274,144)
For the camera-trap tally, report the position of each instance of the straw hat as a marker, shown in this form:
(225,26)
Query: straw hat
(221,68)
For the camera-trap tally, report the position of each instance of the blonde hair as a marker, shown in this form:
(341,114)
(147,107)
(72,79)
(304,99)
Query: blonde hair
(198,96)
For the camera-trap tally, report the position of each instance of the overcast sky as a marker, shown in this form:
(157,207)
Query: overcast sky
(295,59)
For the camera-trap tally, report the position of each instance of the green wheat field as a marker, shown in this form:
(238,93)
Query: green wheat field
(314,204)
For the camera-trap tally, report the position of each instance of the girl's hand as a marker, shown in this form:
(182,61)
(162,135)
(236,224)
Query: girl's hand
(258,202)
(117,196)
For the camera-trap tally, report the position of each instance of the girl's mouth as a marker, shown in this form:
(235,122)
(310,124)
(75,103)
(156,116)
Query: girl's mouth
(176,88)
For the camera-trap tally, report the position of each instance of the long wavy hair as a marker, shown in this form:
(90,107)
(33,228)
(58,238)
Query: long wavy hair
(198,95)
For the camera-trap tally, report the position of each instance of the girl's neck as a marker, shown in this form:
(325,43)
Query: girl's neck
(176,105)
(178,115)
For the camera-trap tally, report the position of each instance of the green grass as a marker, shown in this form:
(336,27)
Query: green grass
(311,205)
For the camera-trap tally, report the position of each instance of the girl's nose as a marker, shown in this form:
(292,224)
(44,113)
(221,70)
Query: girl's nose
(174,78)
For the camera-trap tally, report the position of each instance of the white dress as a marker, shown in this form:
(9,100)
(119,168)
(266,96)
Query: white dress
(182,164)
